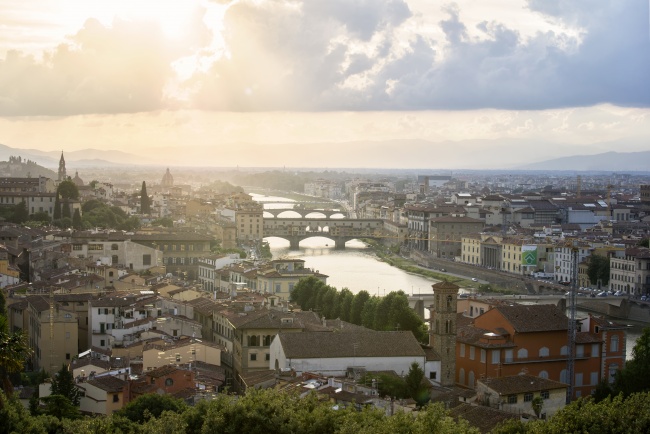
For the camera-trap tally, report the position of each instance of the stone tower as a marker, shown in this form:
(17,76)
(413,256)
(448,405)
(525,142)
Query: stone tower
(62,174)
(442,329)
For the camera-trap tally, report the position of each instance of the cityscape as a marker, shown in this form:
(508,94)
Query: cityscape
(391,216)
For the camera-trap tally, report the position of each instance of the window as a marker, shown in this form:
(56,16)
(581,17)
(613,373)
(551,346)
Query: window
(613,346)
(496,357)
(267,357)
(509,356)
(116,397)
(278,287)
(545,394)
(528,396)
(522,353)
(178,357)
(543,374)
(102,343)
(471,352)
(512,399)
(77,247)
(580,350)
(432,375)
(67,335)
(114,247)
(95,247)
(146,259)
(579,379)
(253,357)
(594,378)
(67,356)
(595,350)
(462,350)
(543,352)
(483,355)
(169,382)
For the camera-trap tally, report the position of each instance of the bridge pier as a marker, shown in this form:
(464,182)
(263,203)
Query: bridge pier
(339,243)
(294,243)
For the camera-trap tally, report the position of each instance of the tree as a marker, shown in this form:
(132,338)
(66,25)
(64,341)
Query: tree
(63,384)
(537,403)
(644,242)
(151,405)
(145,206)
(56,214)
(598,270)
(65,209)
(14,350)
(68,190)
(20,214)
(357,307)
(415,386)
(60,407)
(76,219)
(634,377)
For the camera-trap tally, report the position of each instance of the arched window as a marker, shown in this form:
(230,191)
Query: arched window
(470,379)
(522,353)
(461,376)
(564,350)
(169,382)
(114,259)
(543,374)
(613,345)
(449,302)
(543,352)
(564,376)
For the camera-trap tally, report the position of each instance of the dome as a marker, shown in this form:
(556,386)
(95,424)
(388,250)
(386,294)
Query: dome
(77,180)
(167,179)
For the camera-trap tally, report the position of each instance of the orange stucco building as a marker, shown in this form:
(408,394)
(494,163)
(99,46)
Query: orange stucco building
(533,339)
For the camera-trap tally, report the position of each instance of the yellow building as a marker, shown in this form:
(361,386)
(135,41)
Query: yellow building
(182,351)
(52,331)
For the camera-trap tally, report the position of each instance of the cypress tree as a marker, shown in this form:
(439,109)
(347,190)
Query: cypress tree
(145,206)
(76,219)
(57,208)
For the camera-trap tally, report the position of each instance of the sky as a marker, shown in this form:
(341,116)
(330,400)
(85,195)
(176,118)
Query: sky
(336,83)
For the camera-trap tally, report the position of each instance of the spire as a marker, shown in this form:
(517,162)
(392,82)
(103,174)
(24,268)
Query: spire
(62,174)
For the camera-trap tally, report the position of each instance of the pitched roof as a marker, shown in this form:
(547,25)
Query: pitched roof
(310,345)
(108,383)
(526,318)
(479,416)
(514,384)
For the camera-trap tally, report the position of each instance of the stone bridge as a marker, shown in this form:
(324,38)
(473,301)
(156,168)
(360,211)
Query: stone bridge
(338,230)
(328,213)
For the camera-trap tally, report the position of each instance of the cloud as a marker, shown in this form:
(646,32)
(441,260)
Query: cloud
(117,69)
(355,55)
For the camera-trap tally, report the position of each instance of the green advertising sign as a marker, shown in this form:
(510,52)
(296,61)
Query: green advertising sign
(528,255)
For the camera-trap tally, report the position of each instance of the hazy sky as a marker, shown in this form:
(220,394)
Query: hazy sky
(306,83)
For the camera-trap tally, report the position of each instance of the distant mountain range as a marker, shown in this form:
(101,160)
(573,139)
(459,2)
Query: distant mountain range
(411,154)
(608,161)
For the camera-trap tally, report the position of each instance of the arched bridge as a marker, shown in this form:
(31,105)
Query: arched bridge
(328,213)
(338,230)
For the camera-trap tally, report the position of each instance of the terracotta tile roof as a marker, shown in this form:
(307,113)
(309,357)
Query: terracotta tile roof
(479,416)
(310,345)
(515,384)
(108,383)
(161,371)
(587,338)
(534,318)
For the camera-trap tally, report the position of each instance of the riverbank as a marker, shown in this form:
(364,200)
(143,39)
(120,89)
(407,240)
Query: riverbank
(390,255)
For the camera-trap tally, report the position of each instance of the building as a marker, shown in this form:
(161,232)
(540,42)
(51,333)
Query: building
(509,340)
(280,276)
(103,395)
(442,329)
(445,234)
(515,394)
(333,354)
(51,328)
(630,273)
(179,352)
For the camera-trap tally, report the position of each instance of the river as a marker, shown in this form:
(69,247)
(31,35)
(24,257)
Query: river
(357,268)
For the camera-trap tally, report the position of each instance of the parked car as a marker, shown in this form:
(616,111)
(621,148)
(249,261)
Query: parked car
(618,293)
(474,279)
(644,298)
(603,294)
(443,270)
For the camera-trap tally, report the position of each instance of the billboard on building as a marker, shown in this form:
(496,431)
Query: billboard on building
(529,255)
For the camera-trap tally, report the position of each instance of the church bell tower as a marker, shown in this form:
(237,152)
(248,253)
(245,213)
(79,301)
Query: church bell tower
(442,329)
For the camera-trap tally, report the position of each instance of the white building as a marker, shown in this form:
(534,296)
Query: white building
(331,354)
